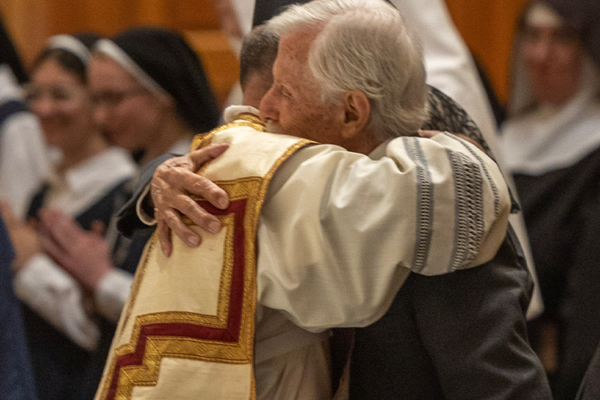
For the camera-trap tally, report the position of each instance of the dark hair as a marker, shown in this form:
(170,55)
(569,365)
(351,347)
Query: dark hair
(259,51)
(9,54)
(66,59)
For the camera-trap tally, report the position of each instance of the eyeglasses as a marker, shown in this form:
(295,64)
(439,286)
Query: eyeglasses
(61,93)
(114,98)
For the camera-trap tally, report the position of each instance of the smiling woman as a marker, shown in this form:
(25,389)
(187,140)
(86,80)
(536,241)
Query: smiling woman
(90,178)
(59,98)
(151,92)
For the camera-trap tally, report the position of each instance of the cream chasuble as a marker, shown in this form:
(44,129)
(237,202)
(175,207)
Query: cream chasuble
(189,328)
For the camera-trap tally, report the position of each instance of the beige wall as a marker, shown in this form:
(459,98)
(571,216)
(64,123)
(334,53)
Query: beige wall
(486,25)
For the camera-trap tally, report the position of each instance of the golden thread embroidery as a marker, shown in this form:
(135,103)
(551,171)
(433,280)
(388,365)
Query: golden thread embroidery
(254,190)
(243,119)
(147,373)
(139,276)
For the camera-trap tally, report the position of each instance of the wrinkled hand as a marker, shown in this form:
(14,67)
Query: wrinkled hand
(85,255)
(24,237)
(173,183)
(430,134)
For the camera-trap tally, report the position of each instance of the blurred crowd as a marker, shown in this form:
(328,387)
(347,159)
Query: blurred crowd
(89,112)
(80,122)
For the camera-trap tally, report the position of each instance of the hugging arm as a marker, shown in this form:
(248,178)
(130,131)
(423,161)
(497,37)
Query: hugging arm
(163,195)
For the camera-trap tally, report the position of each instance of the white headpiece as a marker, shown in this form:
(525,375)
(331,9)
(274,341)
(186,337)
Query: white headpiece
(70,44)
(541,14)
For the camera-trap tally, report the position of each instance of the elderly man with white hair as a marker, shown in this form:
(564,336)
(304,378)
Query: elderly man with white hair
(337,233)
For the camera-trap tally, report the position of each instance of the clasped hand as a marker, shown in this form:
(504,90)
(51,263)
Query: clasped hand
(173,185)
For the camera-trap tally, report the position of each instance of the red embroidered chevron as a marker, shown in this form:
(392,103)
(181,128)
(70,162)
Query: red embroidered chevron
(193,331)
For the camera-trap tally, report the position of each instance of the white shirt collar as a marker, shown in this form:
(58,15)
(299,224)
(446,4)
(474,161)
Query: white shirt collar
(231,112)
(87,181)
(182,146)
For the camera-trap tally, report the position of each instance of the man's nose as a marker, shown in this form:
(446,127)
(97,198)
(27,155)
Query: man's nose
(268,107)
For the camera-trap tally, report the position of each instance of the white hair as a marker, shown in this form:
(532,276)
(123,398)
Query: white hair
(364,45)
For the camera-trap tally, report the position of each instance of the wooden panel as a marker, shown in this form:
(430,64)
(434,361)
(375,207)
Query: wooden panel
(106,17)
(488,29)
(193,15)
(219,61)
(27,25)
(151,12)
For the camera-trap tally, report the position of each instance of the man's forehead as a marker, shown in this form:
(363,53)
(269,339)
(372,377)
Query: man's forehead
(292,54)
(296,42)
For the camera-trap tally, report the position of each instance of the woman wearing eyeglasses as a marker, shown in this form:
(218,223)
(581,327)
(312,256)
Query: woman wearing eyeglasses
(149,97)
(89,184)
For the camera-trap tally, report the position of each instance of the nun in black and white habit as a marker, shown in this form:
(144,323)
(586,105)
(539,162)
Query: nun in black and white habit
(24,157)
(551,143)
(164,67)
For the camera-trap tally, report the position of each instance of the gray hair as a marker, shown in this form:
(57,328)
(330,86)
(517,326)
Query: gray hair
(365,45)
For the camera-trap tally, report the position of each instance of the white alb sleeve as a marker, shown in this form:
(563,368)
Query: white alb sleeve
(112,292)
(339,233)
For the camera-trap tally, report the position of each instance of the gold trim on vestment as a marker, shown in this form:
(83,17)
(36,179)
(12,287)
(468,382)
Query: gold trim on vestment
(244,119)
(252,189)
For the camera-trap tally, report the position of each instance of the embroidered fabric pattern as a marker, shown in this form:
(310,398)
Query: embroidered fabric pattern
(485,171)
(245,119)
(469,210)
(446,115)
(224,335)
(424,203)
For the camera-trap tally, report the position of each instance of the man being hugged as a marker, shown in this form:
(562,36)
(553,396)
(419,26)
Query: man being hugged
(315,236)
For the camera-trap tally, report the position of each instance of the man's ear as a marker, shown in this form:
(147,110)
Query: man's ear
(357,113)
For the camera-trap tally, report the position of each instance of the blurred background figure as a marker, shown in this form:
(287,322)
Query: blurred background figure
(16,377)
(151,97)
(551,143)
(19,134)
(23,154)
(151,92)
(89,176)
(10,56)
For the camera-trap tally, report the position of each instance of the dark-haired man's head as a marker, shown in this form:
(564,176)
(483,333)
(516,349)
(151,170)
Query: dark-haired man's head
(259,51)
